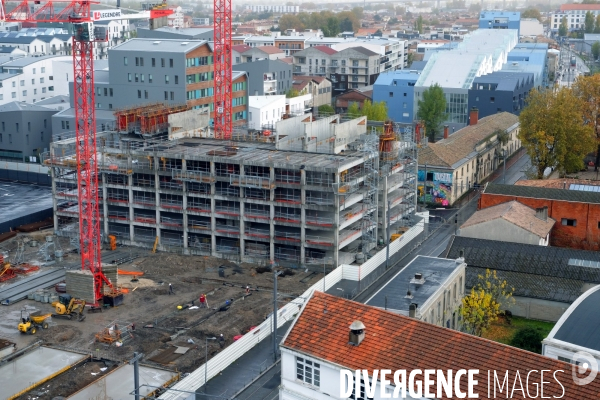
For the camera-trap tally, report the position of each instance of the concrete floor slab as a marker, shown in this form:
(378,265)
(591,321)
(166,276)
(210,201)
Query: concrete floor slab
(119,383)
(32,367)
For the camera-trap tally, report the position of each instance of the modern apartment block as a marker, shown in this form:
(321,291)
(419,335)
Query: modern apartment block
(308,192)
(574,14)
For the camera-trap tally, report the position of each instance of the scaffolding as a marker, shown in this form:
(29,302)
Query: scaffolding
(149,119)
(371,185)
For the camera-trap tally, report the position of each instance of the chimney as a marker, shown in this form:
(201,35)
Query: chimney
(357,333)
(445,131)
(461,257)
(542,213)
(474,116)
(412,310)
(118,3)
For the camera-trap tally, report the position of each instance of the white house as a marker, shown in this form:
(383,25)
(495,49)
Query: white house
(577,330)
(332,334)
(30,79)
(265,111)
(299,105)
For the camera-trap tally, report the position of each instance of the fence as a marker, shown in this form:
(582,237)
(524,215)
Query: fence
(224,359)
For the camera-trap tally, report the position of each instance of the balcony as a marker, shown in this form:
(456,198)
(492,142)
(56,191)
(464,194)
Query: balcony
(193,176)
(256,182)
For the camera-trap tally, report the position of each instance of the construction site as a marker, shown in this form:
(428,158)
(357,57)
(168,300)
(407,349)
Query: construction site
(306,193)
(169,329)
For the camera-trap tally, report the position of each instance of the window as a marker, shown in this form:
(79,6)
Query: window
(162,62)
(67,124)
(9,138)
(492,99)
(149,78)
(0,138)
(454,291)
(3,126)
(43,70)
(125,61)
(14,84)
(137,61)
(565,359)
(403,105)
(139,94)
(22,83)
(17,127)
(137,77)
(44,123)
(171,62)
(569,222)
(154,62)
(167,79)
(105,91)
(177,79)
(129,77)
(166,95)
(110,91)
(391,94)
(141,61)
(110,106)
(27,139)
(24,92)
(343,63)
(43,90)
(172,95)
(308,371)
(33,81)
(29,126)
(145,94)
(62,123)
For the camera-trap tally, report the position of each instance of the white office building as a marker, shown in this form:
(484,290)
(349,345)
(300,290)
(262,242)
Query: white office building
(265,111)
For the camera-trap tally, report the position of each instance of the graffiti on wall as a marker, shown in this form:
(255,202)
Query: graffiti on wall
(438,189)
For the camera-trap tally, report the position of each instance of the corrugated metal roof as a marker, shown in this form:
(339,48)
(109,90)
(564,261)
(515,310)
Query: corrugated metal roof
(544,193)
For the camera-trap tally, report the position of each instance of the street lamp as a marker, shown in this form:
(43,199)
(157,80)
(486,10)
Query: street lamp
(206,339)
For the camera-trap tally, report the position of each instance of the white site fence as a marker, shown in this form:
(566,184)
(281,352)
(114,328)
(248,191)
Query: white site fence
(195,380)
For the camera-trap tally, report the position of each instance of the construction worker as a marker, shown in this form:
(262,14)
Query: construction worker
(203,301)
(171,289)
(247,290)
(221,341)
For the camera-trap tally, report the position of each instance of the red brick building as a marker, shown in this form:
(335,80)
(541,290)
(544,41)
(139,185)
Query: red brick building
(577,212)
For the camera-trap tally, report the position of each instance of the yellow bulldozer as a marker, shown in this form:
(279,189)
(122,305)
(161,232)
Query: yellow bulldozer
(68,306)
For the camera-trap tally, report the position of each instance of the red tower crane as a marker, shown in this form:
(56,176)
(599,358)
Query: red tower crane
(222,61)
(77,12)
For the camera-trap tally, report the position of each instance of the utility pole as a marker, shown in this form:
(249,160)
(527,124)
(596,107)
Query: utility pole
(387,230)
(136,373)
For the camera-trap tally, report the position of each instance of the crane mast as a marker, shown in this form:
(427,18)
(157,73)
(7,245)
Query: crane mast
(78,13)
(223,74)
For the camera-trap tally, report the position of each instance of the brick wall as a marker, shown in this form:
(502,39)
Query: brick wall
(586,235)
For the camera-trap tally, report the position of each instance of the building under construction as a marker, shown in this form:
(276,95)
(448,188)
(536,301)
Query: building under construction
(310,191)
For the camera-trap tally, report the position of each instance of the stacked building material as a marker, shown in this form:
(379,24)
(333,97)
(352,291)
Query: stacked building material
(19,290)
(80,284)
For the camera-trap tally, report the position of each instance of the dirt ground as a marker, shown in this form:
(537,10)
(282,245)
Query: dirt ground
(148,303)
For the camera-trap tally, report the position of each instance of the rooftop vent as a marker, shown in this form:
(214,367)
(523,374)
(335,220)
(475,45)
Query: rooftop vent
(156,42)
(357,333)
(185,43)
(412,310)
(461,257)
(418,279)
(409,294)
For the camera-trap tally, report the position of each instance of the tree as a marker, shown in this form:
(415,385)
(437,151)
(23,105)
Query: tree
(289,21)
(589,22)
(532,13)
(528,338)
(432,109)
(553,130)
(563,29)
(596,50)
(410,58)
(348,17)
(419,24)
(326,109)
(358,12)
(332,28)
(597,26)
(400,10)
(587,89)
(353,110)
(484,304)
(292,93)
(377,17)
(393,21)
(376,111)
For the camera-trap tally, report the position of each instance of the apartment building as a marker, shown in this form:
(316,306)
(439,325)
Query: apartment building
(267,77)
(308,192)
(575,15)
(350,68)
(274,8)
(30,79)
(290,44)
(393,53)
(318,86)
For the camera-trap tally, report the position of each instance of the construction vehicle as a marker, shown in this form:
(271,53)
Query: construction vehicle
(401,231)
(68,306)
(31,322)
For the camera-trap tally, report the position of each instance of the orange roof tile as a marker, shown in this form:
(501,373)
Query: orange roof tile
(556,183)
(396,342)
(270,49)
(579,6)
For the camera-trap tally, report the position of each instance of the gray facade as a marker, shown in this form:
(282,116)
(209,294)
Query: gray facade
(173,33)
(25,131)
(500,91)
(267,77)
(63,123)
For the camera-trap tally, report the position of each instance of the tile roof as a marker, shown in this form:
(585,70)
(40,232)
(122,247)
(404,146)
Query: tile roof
(542,272)
(396,342)
(579,6)
(576,196)
(515,213)
(240,48)
(270,49)
(325,49)
(460,144)
(362,50)
(557,183)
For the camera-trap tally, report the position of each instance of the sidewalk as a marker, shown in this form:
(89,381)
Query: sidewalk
(243,371)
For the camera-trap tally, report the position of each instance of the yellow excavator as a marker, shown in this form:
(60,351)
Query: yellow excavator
(68,306)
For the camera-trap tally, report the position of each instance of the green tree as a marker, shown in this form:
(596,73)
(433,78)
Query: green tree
(553,130)
(332,28)
(393,21)
(419,24)
(326,109)
(597,26)
(528,338)
(532,13)
(589,22)
(587,89)
(432,109)
(354,110)
(289,21)
(563,29)
(358,12)
(410,58)
(377,17)
(376,111)
(485,303)
(596,50)
(400,10)
(348,21)
(292,93)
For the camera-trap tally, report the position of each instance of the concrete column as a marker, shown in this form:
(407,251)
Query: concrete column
(213,222)
(131,210)
(336,220)
(104,203)
(242,224)
(303,218)
(54,202)
(184,211)
(272,217)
